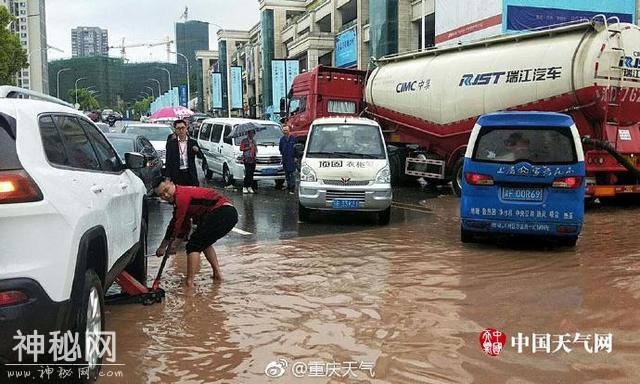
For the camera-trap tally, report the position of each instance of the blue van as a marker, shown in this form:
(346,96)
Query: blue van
(523,174)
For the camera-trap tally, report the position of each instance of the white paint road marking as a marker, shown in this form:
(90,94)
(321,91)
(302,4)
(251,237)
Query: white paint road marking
(240,231)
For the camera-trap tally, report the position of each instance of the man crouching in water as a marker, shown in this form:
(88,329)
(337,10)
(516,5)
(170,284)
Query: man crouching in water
(210,210)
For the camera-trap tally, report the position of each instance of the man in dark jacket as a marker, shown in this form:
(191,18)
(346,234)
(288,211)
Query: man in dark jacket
(288,152)
(181,156)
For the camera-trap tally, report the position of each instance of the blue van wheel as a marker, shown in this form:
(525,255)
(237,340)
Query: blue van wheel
(456,177)
(467,236)
(569,241)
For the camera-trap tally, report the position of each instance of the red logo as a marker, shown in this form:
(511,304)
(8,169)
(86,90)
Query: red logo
(492,341)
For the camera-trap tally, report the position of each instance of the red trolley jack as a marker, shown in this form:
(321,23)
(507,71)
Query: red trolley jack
(136,293)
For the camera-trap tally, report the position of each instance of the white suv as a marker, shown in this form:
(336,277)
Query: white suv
(72,217)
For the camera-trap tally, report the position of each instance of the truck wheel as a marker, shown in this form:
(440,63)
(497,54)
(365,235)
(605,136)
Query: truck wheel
(394,168)
(466,236)
(384,216)
(89,312)
(227,176)
(456,177)
(138,266)
(303,213)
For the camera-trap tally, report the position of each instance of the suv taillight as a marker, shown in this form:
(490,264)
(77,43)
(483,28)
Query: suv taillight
(18,187)
(478,179)
(572,182)
(12,298)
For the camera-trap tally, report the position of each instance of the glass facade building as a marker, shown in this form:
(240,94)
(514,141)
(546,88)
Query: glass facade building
(192,36)
(267,56)
(383,27)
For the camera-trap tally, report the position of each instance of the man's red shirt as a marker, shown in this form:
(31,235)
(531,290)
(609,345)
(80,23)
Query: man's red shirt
(193,203)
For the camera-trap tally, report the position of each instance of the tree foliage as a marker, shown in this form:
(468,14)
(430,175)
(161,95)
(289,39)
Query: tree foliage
(12,57)
(86,100)
(142,106)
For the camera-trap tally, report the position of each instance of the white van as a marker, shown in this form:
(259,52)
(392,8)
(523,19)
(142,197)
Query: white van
(345,167)
(223,153)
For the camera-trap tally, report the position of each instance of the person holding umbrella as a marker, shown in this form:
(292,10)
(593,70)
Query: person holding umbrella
(249,151)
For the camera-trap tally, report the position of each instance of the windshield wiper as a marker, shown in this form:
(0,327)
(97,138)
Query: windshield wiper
(330,154)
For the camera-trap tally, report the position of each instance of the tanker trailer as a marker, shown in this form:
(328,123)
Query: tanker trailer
(591,70)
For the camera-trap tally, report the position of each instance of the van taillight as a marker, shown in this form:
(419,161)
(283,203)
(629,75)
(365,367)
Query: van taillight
(478,179)
(572,182)
(12,298)
(18,187)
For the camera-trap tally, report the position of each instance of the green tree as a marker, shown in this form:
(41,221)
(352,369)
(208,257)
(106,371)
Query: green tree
(142,106)
(12,57)
(86,100)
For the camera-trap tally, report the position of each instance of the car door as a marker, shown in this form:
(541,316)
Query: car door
(216,152)
(204,140)
(123,191)
(86,179)
(227,148)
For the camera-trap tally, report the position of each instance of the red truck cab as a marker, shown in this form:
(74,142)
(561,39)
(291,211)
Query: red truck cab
(323,92)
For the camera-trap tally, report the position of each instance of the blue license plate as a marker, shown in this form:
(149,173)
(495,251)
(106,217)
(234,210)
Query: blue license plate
(270,171)
(522,194)
(345,204)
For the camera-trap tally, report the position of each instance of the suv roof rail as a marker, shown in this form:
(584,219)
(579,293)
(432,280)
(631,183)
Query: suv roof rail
(11,92)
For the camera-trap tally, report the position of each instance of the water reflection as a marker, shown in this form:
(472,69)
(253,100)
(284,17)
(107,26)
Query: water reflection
(410,298)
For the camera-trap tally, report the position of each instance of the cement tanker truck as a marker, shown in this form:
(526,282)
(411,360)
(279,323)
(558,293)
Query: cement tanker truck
(427,102)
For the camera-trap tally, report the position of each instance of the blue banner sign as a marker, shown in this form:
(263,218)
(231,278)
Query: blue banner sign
(278,81)
(282,74)
(347,48)
(236,87)
(184,99)
(524,18)
(216,90)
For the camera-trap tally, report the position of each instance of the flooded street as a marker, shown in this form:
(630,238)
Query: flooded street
(400,304)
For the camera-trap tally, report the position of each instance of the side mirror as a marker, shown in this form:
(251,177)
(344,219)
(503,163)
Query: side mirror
(283,105)
(299,148)
(134,160)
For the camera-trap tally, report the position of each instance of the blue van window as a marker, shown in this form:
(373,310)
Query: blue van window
(531,144)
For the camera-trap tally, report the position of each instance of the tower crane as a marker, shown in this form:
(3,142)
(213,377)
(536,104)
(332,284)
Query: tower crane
(124,46)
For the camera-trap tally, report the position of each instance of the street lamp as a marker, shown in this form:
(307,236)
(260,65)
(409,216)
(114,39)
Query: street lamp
(188,81)
(157,81)
(58,80)
(168,74)
(151,89)
(82,78)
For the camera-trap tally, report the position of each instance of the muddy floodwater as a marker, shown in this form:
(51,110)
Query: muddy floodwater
(405,303)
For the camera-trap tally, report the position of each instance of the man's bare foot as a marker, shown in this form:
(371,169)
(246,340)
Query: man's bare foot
(217,276)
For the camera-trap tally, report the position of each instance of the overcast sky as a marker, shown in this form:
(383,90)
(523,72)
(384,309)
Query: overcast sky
(142,21)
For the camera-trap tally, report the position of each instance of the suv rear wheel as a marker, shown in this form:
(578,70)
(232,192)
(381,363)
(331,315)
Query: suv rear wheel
(89,323)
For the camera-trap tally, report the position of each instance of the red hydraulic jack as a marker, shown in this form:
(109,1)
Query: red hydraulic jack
(136,293)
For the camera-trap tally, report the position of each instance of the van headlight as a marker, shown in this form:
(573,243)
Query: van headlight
(307,173)
(383,176)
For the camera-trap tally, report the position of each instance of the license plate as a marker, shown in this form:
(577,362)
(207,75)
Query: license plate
(522,194)
(270,171)
(345,204)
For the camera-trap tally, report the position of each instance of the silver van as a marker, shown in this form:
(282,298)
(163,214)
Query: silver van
(223,153)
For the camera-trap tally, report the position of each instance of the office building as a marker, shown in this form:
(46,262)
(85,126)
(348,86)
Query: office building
(31,29)
(89,41)
(192,36)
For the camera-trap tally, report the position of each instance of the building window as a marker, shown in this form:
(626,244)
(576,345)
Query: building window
(24,42)
(23,35)
(23,12)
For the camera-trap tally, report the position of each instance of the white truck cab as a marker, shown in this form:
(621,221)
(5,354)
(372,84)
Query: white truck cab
(345,167)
